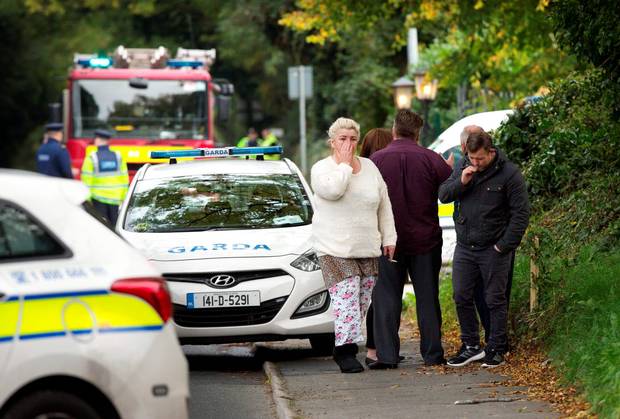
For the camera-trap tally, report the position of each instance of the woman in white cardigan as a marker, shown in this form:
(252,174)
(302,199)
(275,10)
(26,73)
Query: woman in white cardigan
(352,222)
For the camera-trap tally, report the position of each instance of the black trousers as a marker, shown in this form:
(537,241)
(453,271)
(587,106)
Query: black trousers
(470,268)
(109,212)
(481,305)
(387,305)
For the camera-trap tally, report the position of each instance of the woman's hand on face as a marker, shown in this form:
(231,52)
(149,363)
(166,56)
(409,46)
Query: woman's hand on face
(343,146)
(389,252)
(344,151)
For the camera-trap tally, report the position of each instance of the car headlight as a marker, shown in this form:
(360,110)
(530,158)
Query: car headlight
(314,304)
(307,262)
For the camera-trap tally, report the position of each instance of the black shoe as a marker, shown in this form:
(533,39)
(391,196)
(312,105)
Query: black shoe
(493,359)
(378,365)
(349,364)
(466,355)
(345,358)
(369,361)
(442,361)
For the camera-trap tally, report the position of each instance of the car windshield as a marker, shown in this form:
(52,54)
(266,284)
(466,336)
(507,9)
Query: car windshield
(159,109)
(218,202)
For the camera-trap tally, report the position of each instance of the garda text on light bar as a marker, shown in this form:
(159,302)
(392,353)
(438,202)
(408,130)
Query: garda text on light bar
(216,152)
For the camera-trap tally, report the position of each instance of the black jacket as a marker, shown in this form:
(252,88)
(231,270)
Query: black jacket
(53,159)
(493,209)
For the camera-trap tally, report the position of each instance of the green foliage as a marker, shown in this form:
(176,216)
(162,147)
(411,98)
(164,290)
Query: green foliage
(590,322)
(590,29)
(568,145)
(566,139)
(446,302)
(577,320)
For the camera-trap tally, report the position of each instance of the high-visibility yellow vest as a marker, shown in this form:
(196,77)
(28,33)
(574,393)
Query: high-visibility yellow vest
(108,183)
(269,141)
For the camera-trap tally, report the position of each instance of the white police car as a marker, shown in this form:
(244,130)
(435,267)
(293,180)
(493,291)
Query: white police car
(84,317)
(232,238)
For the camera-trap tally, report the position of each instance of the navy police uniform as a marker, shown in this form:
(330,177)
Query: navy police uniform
(52,157)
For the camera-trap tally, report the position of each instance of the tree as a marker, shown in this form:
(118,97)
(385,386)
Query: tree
(498,51)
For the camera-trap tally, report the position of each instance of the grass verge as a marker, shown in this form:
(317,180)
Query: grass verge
(569,347)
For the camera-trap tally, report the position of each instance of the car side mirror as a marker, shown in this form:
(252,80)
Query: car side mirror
(222,104)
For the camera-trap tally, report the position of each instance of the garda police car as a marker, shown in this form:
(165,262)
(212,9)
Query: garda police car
(84,318)
(232,238)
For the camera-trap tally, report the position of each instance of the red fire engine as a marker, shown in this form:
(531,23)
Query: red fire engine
(146,99)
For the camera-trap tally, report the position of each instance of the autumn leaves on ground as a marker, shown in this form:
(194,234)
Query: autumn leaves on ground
(526,364)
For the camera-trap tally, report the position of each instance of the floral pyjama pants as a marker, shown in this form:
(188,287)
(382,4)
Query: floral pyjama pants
(350,300)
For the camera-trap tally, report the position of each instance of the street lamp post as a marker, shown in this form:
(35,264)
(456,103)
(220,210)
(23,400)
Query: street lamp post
(403,93)
(426,91)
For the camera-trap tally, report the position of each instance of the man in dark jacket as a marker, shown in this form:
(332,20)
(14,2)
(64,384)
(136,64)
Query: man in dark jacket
(52,157)
(491,218)
(412,174)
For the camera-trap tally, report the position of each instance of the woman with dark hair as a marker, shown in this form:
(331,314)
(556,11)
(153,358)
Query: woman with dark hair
(374,140)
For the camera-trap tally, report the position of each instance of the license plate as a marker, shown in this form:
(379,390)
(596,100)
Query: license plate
(223,299)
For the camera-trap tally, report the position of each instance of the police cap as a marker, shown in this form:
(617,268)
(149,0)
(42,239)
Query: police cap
(54,126)
(102,133)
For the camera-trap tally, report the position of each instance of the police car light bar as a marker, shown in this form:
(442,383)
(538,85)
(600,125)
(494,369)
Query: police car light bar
(184,63)
(217,152)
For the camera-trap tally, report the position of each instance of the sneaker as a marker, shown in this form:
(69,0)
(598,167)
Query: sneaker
(493,359)
(466,355)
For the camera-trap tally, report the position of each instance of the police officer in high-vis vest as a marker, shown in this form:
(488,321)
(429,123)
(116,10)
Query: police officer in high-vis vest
(52,156)
(269,140)
(105,172)
(250,140)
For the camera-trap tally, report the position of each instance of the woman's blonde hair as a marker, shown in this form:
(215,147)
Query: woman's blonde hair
(343,123)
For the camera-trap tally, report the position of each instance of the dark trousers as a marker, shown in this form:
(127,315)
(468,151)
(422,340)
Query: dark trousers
(491,268)
(109,212)
(387,305)
(481,305)
(370,327)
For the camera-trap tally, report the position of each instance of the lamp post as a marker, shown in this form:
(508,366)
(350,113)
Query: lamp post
(403,93)
(426,91)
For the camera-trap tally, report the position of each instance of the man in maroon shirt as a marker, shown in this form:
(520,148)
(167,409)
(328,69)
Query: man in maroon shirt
(413,175)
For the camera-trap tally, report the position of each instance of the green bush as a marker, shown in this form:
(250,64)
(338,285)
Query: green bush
(568,146)
(565,139)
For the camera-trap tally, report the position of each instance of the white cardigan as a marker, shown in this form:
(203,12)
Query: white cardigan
(353,214)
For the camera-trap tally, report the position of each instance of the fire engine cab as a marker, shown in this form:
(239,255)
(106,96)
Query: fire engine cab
(149,100)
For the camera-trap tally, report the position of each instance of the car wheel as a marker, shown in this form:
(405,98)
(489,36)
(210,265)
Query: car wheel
(323,344)
(51,405)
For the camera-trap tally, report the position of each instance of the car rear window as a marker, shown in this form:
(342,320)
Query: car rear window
(218,202)
(21,236)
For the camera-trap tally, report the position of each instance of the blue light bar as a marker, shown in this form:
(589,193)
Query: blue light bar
(184,63)
(217,152)
(95,62)
(245,151)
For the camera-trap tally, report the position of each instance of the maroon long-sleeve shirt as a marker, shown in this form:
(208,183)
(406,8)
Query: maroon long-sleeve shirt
(413,175)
